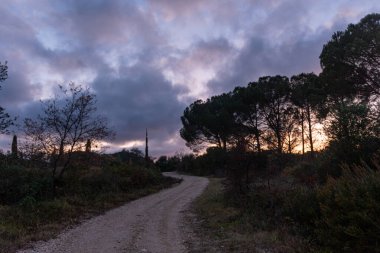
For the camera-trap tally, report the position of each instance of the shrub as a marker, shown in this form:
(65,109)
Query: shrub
(304,172)
(17,183)
(350,208)
(301,205)
(114,178)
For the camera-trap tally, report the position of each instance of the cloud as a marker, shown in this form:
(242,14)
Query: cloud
(287,41)
(194,67)
(139,98)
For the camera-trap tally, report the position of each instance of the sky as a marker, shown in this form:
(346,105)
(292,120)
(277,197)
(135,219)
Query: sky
(146,60)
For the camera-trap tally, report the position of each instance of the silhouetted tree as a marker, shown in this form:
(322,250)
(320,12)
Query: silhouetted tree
(210,122)
(88,146)
(350,60)
(248,112)
(66,123)
(14,147)
(306,95)
(276,107)
(5,119)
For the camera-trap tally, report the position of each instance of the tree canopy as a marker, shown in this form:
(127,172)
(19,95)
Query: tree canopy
(350,61)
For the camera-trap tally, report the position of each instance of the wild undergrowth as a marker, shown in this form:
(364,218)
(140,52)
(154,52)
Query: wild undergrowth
(29,210)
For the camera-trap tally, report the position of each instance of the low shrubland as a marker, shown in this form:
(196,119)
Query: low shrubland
(32,207)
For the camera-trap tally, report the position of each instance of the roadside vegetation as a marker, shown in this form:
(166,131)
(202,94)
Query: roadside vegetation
(298,193)
(30,210)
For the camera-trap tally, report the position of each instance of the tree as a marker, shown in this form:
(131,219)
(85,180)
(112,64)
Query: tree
(3,72)
(5,119)
(66,123)
(248,112)
(14,147)
(350,123)
(277,109)
(306,95)
(210,121)
(350,61)
(88,146)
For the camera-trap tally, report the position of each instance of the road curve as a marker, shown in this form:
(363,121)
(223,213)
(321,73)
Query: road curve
(150,224)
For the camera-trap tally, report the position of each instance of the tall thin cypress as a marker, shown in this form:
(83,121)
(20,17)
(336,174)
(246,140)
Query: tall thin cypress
(88,146)
(14,146)
(146,145)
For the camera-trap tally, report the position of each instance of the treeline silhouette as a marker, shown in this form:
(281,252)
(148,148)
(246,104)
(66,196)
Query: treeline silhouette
(262,137)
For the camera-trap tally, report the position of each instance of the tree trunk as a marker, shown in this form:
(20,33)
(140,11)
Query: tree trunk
(224,144)
(302,132)
(279,143)
(257,135)
(310,130)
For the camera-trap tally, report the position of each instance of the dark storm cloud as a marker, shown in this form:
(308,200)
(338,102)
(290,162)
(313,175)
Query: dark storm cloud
(277,45)
(139,98)
(95,23)
(258,58)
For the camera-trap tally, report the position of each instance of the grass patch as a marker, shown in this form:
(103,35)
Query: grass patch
(233,229)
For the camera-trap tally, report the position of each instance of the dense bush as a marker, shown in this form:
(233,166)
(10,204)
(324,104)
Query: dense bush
(342,214)
(24,185)
(213,162)
(301,205)
(17,183)
(350,208)
(342,152)
(114,178)
(168,164)
(304,172)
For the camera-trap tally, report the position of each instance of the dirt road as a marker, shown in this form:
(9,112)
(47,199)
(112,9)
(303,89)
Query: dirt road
(150,224)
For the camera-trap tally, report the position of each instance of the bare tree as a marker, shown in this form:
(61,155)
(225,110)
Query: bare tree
(66,123)
(5,119)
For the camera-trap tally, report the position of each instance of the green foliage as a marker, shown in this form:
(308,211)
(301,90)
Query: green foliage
(304,172)
(344,152)
(350,208)
(132,156)
(169,164)
(301,205)
(90,182)
(350,122)
(213,162)
(342,215)
(18,183)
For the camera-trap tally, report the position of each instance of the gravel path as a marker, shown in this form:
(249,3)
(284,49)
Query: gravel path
(151,224)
